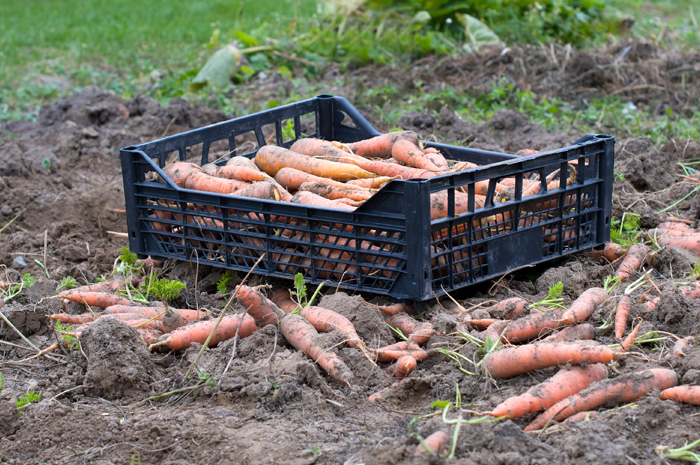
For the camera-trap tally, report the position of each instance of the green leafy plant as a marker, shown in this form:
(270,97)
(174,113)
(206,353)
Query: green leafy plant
(553,298)
(70,341)
(400,333)
(205,378)
(299,292)
(167,290)
(46,164)
(67,282)
(627,230)
(222,283)
(126,263)
(29,398)
(13,291)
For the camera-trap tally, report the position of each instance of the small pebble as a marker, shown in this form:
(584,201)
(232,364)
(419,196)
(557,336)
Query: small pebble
(19,261)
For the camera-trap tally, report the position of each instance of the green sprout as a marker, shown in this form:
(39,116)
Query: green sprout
(71,341)
(553,298)
(222,284)
(14,291)
(299,292)
(682,453)
(67,282)
(29,398)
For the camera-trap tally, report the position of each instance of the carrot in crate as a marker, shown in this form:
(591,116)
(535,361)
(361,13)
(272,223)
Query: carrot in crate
(241,173)
(335,193)
(369,183)
(190,176)
(309,198)
(380,146)
(293,179)
(272,159)
(408,153)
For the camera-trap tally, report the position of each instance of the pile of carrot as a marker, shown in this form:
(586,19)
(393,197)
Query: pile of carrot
(340,176)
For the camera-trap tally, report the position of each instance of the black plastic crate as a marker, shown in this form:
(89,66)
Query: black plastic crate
(387,246)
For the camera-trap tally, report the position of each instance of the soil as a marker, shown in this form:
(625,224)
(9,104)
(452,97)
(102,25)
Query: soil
(259,400)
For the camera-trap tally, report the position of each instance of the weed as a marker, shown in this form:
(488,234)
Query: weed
(70,341)
(222,283)
(627,230)
(46,164)
(13,291)
(67,282)
(29,398)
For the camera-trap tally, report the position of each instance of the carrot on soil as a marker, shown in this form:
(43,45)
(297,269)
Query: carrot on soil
(629,340)
(584,306)
(581,416)
(623,309)
(262,309)
(300,333)
(436,443)
(567,382)
(686,394)
(531,326)
(415,331)
(151,312)
(522,359)
(199,331)
(625,388)
(325,320)
(633,261)
(403,367)
(680,345)
(508,309)
(572,333)
(398,350)
(94,299)
(70,319)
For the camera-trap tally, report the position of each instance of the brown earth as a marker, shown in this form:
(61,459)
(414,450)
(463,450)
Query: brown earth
(272,404)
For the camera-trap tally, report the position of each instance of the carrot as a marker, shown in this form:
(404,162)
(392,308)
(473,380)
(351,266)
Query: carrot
(581,416)
(300,334)
(408,153)
(265,190)
(494,330)
(143,323)
(412,329)
(325,320)
(309,198)
(689,242)
(149,336)
(526,152)
(671,219)
(73,319)
(380,146)
(193,178)
(151,312)
(484,322)
(350,202)
(398,350)
(567,382)
(293,179)
(4,285)
(373,183)
(686,394)
(629,340)
(283,299)
(335,193)
(439,204)
(690,291)
(531,326)
(241,173)
(572,333)
(633,261)
(674,226)
(680,345)
(112,285)
(403,367)
(379,395)
(198,332)
(149,263)
(625,388)
(508,309)
(436,158)
(667,233)
(522,359)
(623,309)
(242,161)
(652,302)
(393,309)
(610,252)
(584,306)
(436,444)
(95,299)
(272,159)
(262,309)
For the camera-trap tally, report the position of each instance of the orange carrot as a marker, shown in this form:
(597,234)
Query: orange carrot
(293,179)
(674,226)
(581,416)
(380,146)
(625,388)
(412,329)
(484,322)
(265,190)
(398,350)
(242,161)
(241,173)
(272,159)
(350,202)
(309,198)
(149,263)
(403,367)
(149,336)
(531,326)
(262,309)
(680,345)
(335,193)
(95,299)
(408,153)
(198,332)
(508,309)
(436,444)
(373,183)
(584,306)
(393,309)
(689,242)
(671,219)
(143,323)
(436,158)
(192,177)
(494,330)
(691,291)
(572,333)
(300,333)
(623,309)
(633,261)
(629,340)
(668,233)
(567,382)
(652,302)
(686,394)
(610,252)
(283,299)
(522,359)
(67,318)
(325,320)
(151,312)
